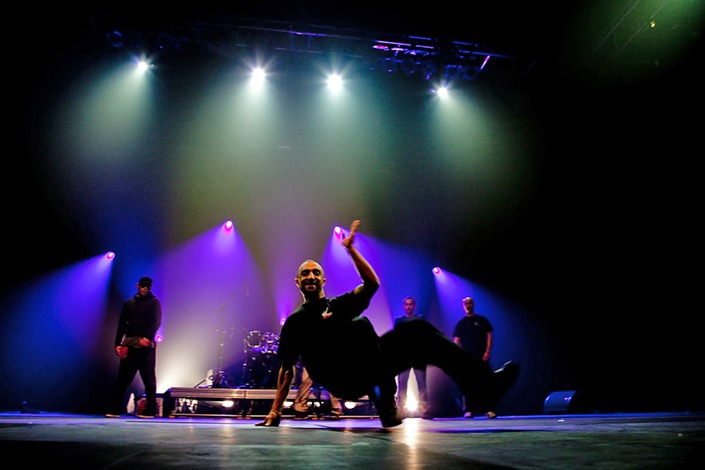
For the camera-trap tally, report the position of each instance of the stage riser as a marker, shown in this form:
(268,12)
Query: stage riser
(226,393)
(194,401)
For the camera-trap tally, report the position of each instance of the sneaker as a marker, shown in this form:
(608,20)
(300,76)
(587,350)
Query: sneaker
(112,415)
(467,415)
(391,418)
(503,380)
(301,415)
(491,415)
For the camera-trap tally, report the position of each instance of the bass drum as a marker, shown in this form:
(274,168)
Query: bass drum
(270,341)
(261,371)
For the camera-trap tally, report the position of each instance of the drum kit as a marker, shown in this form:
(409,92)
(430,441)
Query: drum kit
(261,367)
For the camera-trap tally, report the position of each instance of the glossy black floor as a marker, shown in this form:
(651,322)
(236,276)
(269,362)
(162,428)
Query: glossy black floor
(605,441)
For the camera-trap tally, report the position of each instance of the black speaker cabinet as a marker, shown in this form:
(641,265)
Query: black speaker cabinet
(559,402)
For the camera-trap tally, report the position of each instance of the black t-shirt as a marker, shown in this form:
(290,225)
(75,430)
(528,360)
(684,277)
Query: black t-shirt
(404,318)
(340,351)
(472,332)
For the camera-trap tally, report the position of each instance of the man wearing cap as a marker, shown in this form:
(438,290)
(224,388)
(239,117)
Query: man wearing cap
(140,318)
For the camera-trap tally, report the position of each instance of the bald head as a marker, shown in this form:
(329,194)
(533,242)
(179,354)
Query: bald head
(310,280)
(309,264)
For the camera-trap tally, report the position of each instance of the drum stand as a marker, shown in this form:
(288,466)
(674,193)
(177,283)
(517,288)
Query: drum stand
(217,376)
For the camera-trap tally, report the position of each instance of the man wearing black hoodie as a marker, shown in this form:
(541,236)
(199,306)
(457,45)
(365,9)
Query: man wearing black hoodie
(135,345)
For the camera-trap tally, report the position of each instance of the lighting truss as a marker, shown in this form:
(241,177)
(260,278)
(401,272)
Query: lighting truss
(411,55)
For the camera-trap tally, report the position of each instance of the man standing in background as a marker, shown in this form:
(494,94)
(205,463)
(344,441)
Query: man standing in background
(409,304)
(140,318)
(473,333)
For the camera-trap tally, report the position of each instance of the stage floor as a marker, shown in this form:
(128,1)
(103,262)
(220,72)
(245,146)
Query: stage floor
(605,441)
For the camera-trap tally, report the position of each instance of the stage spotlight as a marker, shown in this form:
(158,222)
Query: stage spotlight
(436,270)
(411,404)
(159,338)
(335,82)
(228,225)
(110,255)
(338,231)
(142,66)
(258,75)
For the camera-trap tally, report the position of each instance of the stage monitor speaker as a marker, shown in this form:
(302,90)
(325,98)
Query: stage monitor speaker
(559,402)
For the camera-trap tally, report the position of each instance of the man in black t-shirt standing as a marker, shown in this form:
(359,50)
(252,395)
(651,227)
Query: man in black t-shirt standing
(473,333)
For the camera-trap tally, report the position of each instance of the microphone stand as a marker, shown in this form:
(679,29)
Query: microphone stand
(219,378)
